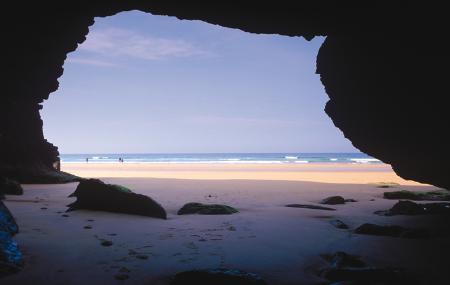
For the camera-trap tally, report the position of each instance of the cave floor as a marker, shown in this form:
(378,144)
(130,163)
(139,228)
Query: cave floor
(281,244)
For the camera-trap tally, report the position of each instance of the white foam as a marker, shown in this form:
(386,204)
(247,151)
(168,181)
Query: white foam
(364,160)
(291,157)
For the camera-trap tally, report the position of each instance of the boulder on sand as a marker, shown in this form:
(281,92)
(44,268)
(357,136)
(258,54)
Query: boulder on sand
(219,276)
(9,187)
(339,224)
(391,231)
(11,259)
(438,195)
(344,267)
(333,200)
(206,209)
(411,208)
(93,194)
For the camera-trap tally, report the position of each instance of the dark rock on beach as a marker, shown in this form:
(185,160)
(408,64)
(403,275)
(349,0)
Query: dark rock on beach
(106,243)
(341,259)
(121,276)
(391,231)
(93,194)
(9,187)
(11,259)
(412,208)
(438,195)
(339,224)
(333,200)
(367,275)
(220,276)
(206,209)
(7,222)
(350,268)
(306,206)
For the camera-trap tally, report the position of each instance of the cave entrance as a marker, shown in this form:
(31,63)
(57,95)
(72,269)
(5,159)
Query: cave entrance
(155,84)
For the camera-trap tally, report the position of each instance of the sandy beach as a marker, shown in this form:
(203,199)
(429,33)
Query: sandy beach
(314,172)
(281,244)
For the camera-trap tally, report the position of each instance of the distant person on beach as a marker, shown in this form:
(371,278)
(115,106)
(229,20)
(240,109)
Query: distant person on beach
(87,160)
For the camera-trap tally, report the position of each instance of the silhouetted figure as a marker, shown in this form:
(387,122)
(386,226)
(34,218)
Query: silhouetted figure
(87,159)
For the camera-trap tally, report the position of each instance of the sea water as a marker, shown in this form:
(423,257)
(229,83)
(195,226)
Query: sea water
(230,158)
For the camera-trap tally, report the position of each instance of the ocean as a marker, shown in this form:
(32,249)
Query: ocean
(229,158)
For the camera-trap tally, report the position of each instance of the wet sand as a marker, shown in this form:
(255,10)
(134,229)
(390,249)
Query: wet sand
(281,244)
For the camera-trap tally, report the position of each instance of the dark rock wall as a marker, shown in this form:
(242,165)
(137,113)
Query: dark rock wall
(383,67)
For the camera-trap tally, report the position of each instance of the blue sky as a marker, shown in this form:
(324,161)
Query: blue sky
(154,84)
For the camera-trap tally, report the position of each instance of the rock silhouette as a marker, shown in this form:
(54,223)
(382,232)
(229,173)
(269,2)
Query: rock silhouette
(442,195)
(411,208)
(391,231)
(93,194)
(10,187)
(206,209)
(11,259)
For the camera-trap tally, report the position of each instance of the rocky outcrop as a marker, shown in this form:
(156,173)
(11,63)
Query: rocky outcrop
(385,74)
(411,209)
(9,187)
(438,195)
(94,194)
(206,209)
(344,267)
(11,259)
(391,231)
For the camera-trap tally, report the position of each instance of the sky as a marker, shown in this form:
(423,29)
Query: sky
(155,84)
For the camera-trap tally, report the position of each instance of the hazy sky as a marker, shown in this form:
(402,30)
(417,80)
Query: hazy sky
(143,83)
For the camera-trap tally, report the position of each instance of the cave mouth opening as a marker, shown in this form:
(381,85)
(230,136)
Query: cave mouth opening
(155,84)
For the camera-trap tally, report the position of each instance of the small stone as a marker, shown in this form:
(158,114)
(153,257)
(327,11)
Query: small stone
(339,224)
(65,216)
(142,256)
(124,270)
(106,243)
(121,276)
(44,208)
(333,200)
(87,227)
(206,209)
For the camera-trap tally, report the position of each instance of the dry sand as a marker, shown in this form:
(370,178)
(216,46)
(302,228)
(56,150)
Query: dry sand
(281,244)
(314,172)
